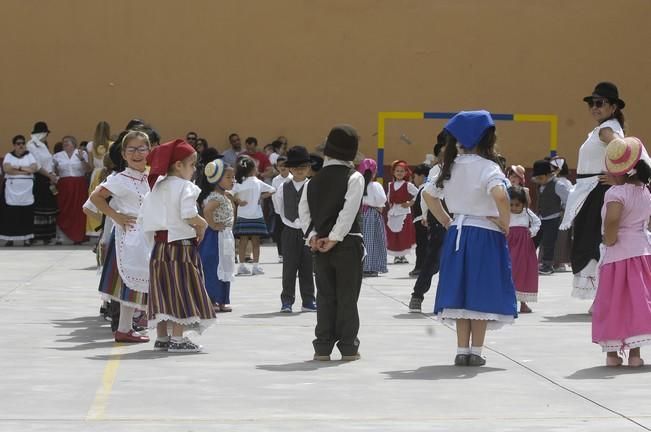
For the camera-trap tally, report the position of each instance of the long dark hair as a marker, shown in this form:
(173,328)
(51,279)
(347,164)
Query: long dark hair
(368,178)
(485,149)
(643,173)
(245,166)
(518,193)
(619,116)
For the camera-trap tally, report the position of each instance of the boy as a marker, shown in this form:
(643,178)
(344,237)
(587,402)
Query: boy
(296,255)
(283,176)
(420,176)
(329,211)
(552,196)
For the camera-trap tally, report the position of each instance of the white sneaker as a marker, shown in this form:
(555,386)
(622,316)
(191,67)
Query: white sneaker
(243,270)
(257,270)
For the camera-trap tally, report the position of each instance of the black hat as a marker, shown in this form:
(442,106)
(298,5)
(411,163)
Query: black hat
(541,167)
(297,156)
(40,127)
(342,143)
(317,162)
(606,90)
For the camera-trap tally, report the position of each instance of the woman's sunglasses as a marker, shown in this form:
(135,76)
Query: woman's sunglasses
(597,102)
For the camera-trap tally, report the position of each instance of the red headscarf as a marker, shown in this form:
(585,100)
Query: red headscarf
(403,164)
(161,158)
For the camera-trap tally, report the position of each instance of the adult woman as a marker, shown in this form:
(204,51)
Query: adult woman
(583,209)
(19,167)
(97,149)
(71,165)
(45,204)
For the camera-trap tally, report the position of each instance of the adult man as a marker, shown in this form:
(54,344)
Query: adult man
(265,169)
(230,155)
(191,138)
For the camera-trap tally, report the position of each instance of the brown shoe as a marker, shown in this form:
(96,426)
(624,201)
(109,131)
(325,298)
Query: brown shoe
(131,337)
(524,308)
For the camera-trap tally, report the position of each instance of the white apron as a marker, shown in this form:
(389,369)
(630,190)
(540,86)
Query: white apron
(396,217)
(133,252)
(226,250)
(19,191)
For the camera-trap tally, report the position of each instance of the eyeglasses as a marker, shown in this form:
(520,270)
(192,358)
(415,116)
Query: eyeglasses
(141,150)
(597,102)
(19,143)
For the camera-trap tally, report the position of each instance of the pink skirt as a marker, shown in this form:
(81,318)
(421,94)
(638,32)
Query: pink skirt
(524,264)
(621,314)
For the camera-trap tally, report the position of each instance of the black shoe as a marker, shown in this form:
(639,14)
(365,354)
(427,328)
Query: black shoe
(9,243)
(185,346)
(353,357)
(475,360)
(161,345)
(415,305)
(461,359)
(370,274)
(319,357)
(414,273)
(546,270)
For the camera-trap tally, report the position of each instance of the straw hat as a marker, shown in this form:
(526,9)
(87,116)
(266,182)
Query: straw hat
(214,171)
(622,154)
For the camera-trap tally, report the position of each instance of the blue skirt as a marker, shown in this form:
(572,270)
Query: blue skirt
(250,227)
(475,282)
(375,241)
(218,291)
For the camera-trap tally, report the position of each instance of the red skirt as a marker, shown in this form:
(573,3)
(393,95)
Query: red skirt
(401,243)
(73,193)
(524,264)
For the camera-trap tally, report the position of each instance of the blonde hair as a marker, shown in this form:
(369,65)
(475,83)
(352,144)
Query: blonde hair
(102,138)
(134,134)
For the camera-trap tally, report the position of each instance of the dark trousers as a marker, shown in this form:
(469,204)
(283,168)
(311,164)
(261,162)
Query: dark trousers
(546,237)
(338,283)
(277,232)
(297,258)
(421,245)
(432,260)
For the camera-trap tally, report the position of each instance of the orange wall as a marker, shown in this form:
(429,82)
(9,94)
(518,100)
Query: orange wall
(295,67)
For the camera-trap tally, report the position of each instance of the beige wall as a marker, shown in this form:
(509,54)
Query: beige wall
(295,67)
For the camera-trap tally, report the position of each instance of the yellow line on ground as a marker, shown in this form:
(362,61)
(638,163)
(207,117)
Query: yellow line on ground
(97,409)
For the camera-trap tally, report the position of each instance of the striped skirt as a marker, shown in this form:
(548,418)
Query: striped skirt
(111,286)
(250,227)
(177,291)
(375,241)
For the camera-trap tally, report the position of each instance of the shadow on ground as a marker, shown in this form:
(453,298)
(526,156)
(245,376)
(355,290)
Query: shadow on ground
(306,366)
(569,318)
(88,332)
(604,372)
(440,372)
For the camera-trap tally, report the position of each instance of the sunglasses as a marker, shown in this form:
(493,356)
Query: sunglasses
(132,150)
(597,102)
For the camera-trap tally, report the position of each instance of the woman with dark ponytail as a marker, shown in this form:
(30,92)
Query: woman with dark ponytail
(375,238)
(583,208)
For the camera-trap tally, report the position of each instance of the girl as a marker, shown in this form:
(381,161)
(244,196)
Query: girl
(621,317)
(169,213)
(125,275)
(516,175)
(524,264)
(475,286)
(563,249)
(250,223)
(373,203)
(401,235)
(217,249)
(97,149)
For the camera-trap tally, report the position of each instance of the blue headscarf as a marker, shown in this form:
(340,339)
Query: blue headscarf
(468,127)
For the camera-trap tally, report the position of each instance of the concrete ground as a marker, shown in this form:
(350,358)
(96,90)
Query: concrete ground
(62,372)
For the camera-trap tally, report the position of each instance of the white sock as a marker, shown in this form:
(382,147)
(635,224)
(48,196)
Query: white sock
(463,350)
(162,338)
(125,325)
(176,339)
(476,350)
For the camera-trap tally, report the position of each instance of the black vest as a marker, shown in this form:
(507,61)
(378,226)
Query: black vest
(417,211)
(326,196)
(549,202)
(291,198)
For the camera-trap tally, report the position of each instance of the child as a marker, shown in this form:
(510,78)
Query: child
(517,175)
(169,214)
(552,196)
(125,274)
(328,211)
(401,236)
(435,234)
(217,250)
(524,263)
(375,238)
(420,175)
(621,317)
(475,287)
(562,253)
(250,224)
(297,257)
(283,176)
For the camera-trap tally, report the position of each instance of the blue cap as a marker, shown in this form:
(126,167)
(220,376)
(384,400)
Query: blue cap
(468,127)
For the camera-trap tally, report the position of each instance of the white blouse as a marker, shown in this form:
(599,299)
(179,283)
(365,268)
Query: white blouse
(411,188)
(70,166)
(41,153)
(375,196)
(468,191)
(592,154)
(18,187)
(128,189)
(165,208)
(250,190)
(276,183)
(527,219)
(19,162)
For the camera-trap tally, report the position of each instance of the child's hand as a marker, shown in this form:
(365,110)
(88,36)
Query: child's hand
(500,224)
(220,227)
(313,244)
(424,222)
(406,204)
(241,203)
(201,232)
(125,221)
(325,244)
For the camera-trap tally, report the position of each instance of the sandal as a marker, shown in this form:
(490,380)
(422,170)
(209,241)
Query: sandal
(635,362)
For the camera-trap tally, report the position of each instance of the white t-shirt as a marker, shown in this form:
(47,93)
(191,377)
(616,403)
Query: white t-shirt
(250,190)
(296,224)
(128,189)
(592,153)
(375,196)
(165,208)
(70,166)
(276,183)
(18,187)
(468,191)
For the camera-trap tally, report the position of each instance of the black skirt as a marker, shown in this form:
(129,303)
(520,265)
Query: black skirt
(17,223)
(587,229)
(45,209)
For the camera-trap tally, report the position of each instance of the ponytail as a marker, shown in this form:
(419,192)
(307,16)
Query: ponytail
(368,177)
(619,116)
